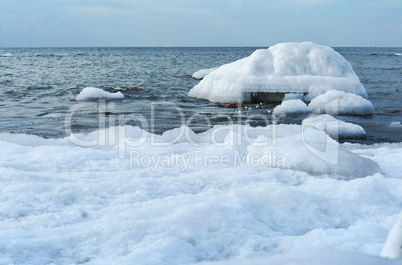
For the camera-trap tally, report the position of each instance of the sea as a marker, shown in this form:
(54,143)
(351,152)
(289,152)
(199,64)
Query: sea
(38,88)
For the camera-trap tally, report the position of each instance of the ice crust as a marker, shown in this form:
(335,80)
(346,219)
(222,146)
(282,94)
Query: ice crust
(93,93)
(342,103)
(284,67)
(335,128)
(67,204)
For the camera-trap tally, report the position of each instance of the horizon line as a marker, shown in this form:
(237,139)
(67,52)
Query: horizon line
(168,46)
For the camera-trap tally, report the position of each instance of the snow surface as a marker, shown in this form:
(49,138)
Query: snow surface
(93,93)
(284,67)
(333,127)
(291,106)
(203,73)
(393,246)
(66,204)
(338,102)
(313,257)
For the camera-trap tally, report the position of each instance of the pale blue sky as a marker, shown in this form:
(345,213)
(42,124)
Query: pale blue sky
(66,23)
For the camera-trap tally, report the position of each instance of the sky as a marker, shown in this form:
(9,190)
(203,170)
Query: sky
(132,23)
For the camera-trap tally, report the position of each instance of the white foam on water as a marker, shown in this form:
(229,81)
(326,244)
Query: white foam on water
(54,115)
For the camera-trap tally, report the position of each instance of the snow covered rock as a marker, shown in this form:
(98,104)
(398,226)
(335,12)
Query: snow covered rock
(287,68)
(291,106)
(393,245)
(339,102)
(335,128)
(93,93)
(203,73)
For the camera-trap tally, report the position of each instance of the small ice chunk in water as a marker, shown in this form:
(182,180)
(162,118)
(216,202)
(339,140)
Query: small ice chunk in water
(93,93)
(291,106)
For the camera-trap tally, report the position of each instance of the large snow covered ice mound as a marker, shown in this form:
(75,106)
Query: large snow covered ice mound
(286,67)
(93,93)
(66,204)
(339,102)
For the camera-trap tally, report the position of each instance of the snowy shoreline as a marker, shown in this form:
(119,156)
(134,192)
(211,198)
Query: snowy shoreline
(67,204)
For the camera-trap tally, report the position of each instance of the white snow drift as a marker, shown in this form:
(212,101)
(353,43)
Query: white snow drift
(93,93)
(66,204)
(286,67)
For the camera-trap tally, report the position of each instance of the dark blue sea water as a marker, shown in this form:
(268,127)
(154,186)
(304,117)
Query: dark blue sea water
(38,87)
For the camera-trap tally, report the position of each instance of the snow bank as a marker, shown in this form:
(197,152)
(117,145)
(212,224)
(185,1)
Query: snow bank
(185,198)
(313,257)
(291,106)
(393,246)
(203,73)
(286,67)
(338,102)
(335,128)
(93,93)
